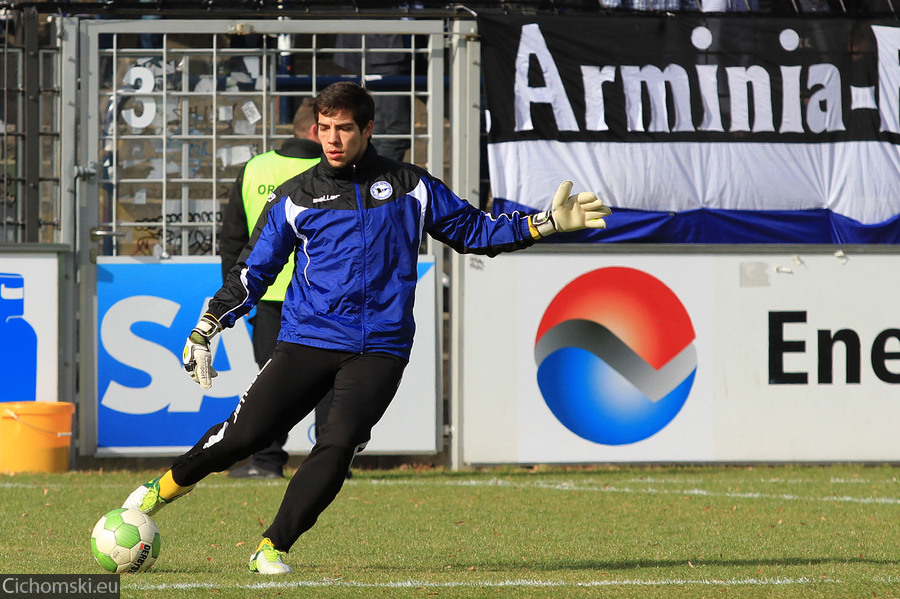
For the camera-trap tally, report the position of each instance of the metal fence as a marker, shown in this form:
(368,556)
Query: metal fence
(30,124)
(179,114)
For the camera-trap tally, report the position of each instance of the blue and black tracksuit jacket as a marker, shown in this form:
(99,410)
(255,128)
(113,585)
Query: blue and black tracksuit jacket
(356,233)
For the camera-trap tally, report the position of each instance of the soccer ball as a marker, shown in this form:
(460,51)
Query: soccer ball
(125,540)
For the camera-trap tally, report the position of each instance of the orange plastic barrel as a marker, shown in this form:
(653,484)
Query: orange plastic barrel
(35,436)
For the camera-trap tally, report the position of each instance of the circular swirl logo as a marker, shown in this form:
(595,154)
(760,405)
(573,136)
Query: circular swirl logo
(615,355)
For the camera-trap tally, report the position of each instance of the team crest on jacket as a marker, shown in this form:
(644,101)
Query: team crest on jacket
(381,190)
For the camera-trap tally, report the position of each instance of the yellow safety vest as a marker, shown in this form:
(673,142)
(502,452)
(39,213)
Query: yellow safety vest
(261,176)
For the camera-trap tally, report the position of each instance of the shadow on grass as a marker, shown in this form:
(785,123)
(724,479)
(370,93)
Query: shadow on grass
(610,566)
(511,568)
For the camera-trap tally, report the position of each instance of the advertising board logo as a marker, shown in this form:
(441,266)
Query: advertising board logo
(19,350)
(615,355)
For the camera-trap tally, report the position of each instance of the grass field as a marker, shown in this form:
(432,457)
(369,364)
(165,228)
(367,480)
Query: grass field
(648,532)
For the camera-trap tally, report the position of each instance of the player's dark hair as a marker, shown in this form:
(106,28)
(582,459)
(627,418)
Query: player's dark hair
(349,96)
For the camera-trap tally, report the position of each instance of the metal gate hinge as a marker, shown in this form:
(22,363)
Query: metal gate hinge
(86,172)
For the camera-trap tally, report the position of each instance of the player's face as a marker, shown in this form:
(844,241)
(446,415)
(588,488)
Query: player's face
(342,140)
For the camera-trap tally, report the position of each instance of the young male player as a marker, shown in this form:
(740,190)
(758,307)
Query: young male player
(355,223)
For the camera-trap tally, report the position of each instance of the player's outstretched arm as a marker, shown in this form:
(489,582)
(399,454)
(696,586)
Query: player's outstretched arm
(569,213)
(196,357)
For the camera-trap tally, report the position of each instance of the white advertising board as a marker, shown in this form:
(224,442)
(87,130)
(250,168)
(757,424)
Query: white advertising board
(638,357)
(410,424)
(29,327)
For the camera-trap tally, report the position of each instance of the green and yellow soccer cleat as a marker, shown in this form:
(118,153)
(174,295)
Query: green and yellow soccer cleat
(268,560)
(147,498)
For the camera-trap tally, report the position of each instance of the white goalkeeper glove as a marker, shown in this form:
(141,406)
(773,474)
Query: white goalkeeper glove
(570,213)
(196,357)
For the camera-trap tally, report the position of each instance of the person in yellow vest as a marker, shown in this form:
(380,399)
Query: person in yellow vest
(261,175)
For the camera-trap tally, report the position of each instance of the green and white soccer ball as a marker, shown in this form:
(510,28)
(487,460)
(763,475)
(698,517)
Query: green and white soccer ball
(125,540)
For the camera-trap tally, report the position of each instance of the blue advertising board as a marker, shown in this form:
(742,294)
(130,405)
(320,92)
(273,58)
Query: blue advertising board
(144,312)
(148,405)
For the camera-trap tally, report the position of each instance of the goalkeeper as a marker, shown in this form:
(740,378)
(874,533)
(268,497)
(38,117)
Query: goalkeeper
(355,223)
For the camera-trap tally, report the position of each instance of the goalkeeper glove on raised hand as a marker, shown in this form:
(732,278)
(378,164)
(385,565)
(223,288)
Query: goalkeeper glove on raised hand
(196,357)
(570,213)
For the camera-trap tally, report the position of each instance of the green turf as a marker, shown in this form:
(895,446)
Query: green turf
(648,532)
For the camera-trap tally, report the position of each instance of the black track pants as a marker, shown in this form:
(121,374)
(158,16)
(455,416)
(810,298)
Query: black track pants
(287,389)
(266,327)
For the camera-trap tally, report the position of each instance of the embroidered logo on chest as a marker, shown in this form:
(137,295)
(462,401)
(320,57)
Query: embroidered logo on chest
(381,190)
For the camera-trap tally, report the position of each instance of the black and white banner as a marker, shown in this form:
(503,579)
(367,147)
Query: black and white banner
(700,129)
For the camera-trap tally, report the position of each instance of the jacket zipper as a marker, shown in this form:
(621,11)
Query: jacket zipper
(363,270)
